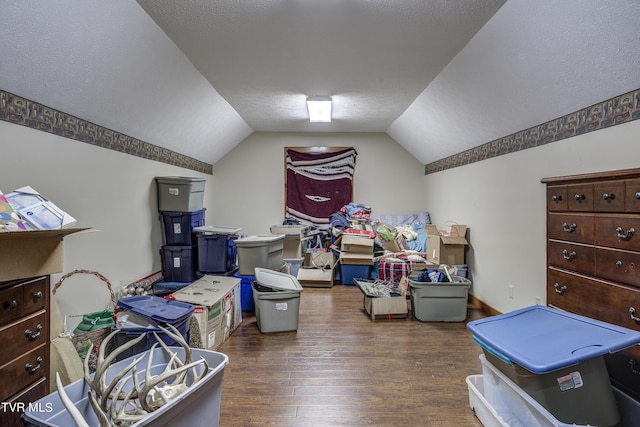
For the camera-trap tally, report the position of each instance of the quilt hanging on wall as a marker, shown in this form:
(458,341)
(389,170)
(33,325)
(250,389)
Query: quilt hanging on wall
(318,183)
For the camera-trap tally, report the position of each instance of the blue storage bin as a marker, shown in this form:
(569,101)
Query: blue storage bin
(179,227)
(179,263)
(558,359)
(348,272)
(246,292)
(216,253)
(165,288)
(156,309)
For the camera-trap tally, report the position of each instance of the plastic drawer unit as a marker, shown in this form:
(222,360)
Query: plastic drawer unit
(557,358)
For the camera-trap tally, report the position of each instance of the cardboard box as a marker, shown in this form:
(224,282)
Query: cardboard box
(317,270)
(446,249)
(386,307)
(356,244)
(26,254)
(397,245)
(218,307)
(294,239)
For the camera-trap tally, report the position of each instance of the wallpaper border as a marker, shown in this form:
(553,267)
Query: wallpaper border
(612,112)
(21,111)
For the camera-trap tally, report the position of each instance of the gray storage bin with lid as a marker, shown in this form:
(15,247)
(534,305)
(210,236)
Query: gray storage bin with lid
(277,301)
(262,251)
(180,194)
(557,358)
(440,301)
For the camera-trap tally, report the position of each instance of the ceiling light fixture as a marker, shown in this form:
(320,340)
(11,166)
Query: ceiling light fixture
(319,108)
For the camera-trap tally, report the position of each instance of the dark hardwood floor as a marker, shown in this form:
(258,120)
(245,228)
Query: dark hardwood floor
(342,369)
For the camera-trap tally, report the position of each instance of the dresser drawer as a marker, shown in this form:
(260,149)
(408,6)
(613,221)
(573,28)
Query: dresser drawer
(35,293)
(571,256)
(580,197)
(23,371)
(11,302)
(557,198)
(618,231)
(574,227)
(608,196)
(632,195)
(619,265)
(599,299)
(23,336)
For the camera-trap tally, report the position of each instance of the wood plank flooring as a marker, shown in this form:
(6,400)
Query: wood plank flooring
(342,369)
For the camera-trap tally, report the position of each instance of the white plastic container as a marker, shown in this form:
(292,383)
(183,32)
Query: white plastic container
(498,401)
(262,251)
(199,405)
(277,301)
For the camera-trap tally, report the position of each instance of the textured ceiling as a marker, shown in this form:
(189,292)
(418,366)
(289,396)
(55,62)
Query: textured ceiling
(439,76)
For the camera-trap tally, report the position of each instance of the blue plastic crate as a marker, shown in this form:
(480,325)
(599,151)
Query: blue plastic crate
(179,227)
(159,310)
(216,253)
(348,272)
(179,263)
(246,292)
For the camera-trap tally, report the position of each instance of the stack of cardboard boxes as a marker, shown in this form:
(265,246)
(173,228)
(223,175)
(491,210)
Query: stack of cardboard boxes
(356,257)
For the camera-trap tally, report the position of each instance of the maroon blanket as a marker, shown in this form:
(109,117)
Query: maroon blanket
(318,184)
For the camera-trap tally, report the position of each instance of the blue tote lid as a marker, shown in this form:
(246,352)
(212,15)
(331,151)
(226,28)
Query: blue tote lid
(543,339)
(158,309)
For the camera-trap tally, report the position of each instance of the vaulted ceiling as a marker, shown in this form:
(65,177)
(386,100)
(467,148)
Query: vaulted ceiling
(438,76)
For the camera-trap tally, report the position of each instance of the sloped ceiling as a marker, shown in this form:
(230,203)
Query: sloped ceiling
(438,76)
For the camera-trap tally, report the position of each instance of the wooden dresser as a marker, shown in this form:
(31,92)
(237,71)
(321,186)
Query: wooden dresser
(24,351)
(593,256)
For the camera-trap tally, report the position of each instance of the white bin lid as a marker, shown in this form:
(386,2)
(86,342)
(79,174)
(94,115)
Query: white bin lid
(250,241)
(215,229)
(277,280)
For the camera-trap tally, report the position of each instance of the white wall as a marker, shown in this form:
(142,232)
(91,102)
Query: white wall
(112,192)
(248,184)
(503,202)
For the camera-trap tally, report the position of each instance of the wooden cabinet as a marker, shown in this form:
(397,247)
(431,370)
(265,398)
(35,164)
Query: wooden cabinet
(593,255)
(24,334)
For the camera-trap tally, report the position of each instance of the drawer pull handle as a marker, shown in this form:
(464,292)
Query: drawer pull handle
(569,228)
(560,289)
(579,197)
(632,312)
(558,198)
(618,263)
(30,368)
(38,295)
(13,304)
(625,235)
(638,195)
(33,335)
(608,196)
(568,256)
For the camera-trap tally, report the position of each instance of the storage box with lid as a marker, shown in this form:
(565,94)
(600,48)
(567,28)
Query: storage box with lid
(180,194)
(498,401)
(179,227)
(143,315)
(262,251)
(179,263)
(216,248)
(198,405)
(294,244)
(217,308)
(440,301)
(277,301)
(556,357)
